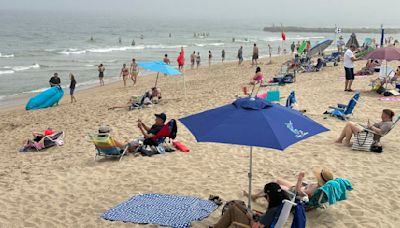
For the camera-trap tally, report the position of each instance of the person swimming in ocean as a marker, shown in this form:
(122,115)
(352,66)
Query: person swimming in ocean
(91,38)
(133,43)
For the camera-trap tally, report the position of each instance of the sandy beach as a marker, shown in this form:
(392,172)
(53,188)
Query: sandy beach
(64,187)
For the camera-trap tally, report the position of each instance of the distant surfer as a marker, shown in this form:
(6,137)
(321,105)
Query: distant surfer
(133,43)
(55,80)
(101,70)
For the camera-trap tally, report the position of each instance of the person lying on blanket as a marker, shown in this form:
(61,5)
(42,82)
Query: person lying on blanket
(369,68)
(148,132)
(379,129)
(272,192)
(149,97)
(301,188)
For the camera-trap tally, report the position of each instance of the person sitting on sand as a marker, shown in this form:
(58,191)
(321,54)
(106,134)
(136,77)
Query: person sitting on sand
(258,77)
(368,69)
(272,192)
(302,189)
(379,129)
(152,96)
(148,132)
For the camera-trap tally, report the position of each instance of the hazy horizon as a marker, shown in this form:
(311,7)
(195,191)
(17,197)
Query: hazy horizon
(308,13)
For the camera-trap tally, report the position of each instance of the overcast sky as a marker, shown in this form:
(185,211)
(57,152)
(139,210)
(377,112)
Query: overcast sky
(369,13)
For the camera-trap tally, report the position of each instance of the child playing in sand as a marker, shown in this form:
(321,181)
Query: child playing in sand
(258,77)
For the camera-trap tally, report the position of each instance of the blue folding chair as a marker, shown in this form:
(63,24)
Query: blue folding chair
(291,100)
(344,111)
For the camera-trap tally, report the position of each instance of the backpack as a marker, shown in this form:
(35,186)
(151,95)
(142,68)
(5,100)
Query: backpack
(173,129)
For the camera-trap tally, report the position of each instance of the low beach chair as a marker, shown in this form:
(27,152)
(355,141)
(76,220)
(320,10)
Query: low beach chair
(395,122)
(169,131)
(330,193)
(280,220)
(105,146)
(342,111)
(56,139)
(291,100)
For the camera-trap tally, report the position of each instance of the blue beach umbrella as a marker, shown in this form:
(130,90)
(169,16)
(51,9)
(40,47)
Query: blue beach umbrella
(252,122)
(159,67)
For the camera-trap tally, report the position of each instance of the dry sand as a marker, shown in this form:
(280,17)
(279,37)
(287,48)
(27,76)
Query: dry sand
(64,187)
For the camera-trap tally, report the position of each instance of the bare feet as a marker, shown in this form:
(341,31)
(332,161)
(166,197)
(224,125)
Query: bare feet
(253,198)
(338,141)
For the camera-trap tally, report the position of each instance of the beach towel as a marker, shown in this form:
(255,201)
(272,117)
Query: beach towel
(161,209)
(335,190)
(389,98)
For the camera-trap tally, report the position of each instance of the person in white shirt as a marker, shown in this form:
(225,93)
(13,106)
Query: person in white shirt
(348,60)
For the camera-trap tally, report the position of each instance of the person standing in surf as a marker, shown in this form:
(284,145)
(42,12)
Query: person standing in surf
(209,58)
(198,59)
(134,71)
(166,59)
(192,60)
(223,55)
(240,55)
(124,73)
(72,87)
(255,55)
(101,70)
(293,47)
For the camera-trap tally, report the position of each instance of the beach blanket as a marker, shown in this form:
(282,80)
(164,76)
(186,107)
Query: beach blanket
(166,210)
(389,98)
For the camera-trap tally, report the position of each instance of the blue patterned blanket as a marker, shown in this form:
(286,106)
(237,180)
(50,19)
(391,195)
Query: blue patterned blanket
(166,210)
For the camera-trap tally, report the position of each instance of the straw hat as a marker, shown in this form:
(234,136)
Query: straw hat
(104,129)
(323,175)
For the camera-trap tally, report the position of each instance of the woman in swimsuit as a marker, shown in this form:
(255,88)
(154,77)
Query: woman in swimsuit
(101,70)
(124,73)
(134,71)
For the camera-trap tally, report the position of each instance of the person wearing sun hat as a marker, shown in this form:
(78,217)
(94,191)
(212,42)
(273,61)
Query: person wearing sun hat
(104,131)
(322,175)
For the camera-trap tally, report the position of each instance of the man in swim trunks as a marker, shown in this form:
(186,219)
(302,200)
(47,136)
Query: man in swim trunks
(101,70)
(255,55)
(134,71)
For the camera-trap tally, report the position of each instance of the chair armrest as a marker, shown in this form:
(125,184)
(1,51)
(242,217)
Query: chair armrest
(342,106)
(336,108)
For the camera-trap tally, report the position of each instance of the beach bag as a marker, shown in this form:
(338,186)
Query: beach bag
(231,203)
(363,141)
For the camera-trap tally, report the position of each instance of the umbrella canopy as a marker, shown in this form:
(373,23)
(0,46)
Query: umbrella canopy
(320,47)
(353,41)
(252,122)
(389,54)
(159,67)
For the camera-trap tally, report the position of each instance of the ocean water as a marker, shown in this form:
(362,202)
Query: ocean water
(35,45)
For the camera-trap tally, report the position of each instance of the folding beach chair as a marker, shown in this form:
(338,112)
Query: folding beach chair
(56,139)
(105,146)
(291,100)
(330,193)
(344,111)
(169,130)
(395,122)
(281,219)
(387,76)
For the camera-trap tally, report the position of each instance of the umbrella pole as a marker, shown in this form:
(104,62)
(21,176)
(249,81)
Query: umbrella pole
(156,79)
(252,90)
(250,175)
(184,86)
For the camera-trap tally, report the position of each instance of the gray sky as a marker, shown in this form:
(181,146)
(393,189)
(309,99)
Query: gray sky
(370,13)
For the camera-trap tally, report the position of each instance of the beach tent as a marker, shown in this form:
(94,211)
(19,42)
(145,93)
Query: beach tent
(252,122)
(353,40)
